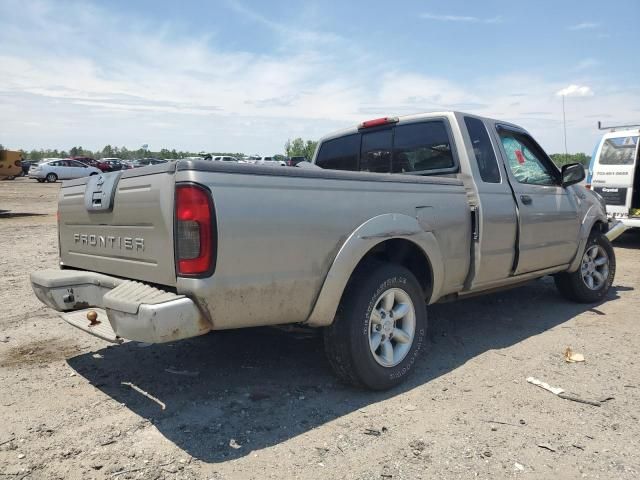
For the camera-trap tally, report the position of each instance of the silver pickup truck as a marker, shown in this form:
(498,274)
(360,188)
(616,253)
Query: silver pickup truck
(396,214)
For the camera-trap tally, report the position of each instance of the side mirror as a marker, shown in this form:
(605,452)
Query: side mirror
(572,173)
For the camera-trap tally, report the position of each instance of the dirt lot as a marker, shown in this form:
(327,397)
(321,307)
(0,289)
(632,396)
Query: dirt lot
(263,404)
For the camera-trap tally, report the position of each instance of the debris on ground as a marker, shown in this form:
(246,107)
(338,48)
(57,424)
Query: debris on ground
(572,357)
(185,373)
(546,386)
(522,422)
(546,446)
(375,432)
(7,441)
(146,394)
(122,472)
(233,444)
(559,392)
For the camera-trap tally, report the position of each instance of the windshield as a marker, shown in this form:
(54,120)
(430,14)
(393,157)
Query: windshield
(619,151)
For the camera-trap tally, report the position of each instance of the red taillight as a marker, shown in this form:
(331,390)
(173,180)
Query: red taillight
(377,122)
(588,186)
(194,230)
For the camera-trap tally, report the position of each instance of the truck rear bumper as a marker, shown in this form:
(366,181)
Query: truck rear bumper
(133,310)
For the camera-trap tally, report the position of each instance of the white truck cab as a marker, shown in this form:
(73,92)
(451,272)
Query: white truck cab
(614,174)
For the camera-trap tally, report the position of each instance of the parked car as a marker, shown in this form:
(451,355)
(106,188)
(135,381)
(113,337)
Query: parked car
(404,212)
(61,170)
(92,162)
(293,161)
(270,161)
(614,173)
(144,162)
(224,158)
(112,164)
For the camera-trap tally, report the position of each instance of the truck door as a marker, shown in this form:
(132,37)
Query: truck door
(497,219)
(548,222)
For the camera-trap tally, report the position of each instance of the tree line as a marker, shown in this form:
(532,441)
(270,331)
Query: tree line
(563,158)
(116,152)
(297,147)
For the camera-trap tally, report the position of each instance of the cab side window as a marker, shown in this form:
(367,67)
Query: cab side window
(422,147)
(483,150)
(526,160)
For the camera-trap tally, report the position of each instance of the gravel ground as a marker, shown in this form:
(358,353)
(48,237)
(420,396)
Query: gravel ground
(263,404)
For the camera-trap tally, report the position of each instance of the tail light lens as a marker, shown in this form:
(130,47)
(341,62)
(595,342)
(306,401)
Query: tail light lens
(194,230)
(588,186)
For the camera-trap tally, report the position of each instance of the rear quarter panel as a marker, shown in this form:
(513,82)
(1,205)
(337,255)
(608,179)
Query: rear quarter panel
(279,235)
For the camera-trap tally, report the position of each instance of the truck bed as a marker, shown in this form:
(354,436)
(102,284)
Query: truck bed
(279,230)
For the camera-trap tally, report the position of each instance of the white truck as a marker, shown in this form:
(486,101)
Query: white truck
(615,175)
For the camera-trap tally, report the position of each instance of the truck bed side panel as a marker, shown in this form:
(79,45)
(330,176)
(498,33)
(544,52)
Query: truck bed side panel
(279,233)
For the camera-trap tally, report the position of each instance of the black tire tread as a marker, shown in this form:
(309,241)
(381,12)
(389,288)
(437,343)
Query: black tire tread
(337,336)
(570,284)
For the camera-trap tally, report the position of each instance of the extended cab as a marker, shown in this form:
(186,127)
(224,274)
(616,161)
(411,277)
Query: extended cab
(397,213)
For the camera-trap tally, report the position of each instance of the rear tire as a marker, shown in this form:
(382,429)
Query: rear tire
(51,177)
(379,329)
(591,282)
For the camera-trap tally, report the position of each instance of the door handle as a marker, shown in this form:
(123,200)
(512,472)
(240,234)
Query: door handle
(526,199)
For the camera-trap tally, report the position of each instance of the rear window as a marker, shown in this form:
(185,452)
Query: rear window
(375,153)
(619,151)
(340,153)
(422,147)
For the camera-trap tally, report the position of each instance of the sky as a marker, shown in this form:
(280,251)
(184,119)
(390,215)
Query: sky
(243,76)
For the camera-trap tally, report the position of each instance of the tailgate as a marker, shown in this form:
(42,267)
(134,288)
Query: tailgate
(120,223)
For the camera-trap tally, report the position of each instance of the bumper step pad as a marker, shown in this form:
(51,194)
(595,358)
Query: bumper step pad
(101,329)
(129,295)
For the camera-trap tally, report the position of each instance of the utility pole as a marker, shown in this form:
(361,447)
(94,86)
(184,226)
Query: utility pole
(564,125)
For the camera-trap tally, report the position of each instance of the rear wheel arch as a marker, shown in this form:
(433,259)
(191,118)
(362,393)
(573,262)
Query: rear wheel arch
(392,238)
(400,251)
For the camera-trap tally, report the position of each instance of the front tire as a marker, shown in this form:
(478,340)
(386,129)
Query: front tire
(380,328)
(591,282)
(52,177)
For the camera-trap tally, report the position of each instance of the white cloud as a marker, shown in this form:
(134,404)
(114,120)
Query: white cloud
(584,26)
(575,91)
(137,83)
(460,18)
